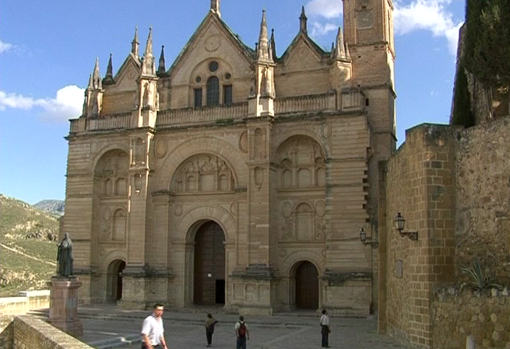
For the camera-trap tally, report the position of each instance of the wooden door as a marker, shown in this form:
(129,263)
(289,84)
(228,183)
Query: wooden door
(209,273)
(307,286)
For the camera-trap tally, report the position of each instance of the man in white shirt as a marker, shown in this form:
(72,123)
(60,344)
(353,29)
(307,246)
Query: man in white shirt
(325,329)
(152,330)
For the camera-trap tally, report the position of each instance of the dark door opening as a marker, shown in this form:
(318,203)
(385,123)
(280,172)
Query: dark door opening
(307,286)
(209,276)
(220,291)
(119,280)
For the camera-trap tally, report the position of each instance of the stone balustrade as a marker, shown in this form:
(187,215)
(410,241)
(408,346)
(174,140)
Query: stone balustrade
(201,115)
(309,103)
(351,100)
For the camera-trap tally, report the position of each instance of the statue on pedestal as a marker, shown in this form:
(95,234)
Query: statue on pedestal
(65,257)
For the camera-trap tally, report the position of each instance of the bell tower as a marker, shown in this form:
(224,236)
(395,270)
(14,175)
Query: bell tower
(368,32)
(368,26)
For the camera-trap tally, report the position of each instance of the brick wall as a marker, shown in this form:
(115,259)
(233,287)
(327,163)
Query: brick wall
(452,185)
(419,184)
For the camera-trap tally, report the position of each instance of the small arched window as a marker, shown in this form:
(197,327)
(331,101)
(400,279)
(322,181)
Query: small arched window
(213,91)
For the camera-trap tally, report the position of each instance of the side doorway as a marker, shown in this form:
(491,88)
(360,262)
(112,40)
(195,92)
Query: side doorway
(114,280)
(307,286)
(209,266)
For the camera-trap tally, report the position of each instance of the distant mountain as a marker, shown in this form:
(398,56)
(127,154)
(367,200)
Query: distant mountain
(55,207)
(28,246)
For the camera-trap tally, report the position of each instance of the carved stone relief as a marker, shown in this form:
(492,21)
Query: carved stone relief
(258,176)
(243,142)
(304,222)
(203,173)
(112,172)
(259,144)
(302,163)
(161,147)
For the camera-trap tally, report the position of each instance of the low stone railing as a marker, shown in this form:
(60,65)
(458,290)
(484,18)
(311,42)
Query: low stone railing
(26,301)
(104,122)
(319,102)
(479,319)
(29,332)
(350,100)
(200,115)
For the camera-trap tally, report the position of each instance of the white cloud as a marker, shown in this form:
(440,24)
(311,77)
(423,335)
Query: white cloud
(325,8)
(5,46)
(66,105)
(430,15)
(319,29)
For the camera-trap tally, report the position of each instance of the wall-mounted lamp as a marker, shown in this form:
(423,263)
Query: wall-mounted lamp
(363,238)
(400,223)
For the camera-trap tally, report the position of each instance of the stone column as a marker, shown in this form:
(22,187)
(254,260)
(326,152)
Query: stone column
(64,304)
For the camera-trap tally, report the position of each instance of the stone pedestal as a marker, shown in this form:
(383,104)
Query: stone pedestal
(64,304)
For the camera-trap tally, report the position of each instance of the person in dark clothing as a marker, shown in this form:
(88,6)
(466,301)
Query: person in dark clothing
(209,328)
(325,329)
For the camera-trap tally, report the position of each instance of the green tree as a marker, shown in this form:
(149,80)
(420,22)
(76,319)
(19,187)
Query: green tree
(462,114)
(487,44)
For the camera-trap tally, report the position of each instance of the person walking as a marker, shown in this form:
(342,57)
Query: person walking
(209,328)
(242,333)
(325,329)
(153,331)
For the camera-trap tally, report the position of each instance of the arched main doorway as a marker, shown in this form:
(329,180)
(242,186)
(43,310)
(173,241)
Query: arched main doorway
(307,286)
(114,280)
(209,266)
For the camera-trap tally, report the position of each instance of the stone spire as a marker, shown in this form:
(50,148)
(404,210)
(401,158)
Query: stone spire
(135,44)
(302,21)
(161,67)
(273,45)
(96,76)
(340,46)
(94,93)
(148,64)
(263,46)
(215,7)
(108,79)
(332,52)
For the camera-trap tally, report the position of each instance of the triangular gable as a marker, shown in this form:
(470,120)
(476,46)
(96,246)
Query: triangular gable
(303,38)
(245,51)
(125,79)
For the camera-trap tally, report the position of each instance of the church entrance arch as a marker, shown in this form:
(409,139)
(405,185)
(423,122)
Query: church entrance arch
(306,285)
(114,280)
(209,265)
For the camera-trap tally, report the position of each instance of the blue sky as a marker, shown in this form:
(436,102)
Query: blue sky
(48,49)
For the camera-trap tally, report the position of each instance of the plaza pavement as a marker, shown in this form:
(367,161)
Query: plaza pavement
(107,326)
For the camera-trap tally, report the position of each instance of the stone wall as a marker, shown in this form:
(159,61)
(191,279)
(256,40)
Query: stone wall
(483,197)
(420,185)
(484,317)
(452,185)
(33,333)
(27,301)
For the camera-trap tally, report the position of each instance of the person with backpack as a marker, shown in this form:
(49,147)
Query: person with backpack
(209,328)
(242,333)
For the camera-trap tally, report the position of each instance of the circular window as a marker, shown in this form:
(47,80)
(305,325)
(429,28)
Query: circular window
(198,79)
(213,66)
(228,76)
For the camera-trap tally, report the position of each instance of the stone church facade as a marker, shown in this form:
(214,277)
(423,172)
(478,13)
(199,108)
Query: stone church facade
(236,177)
